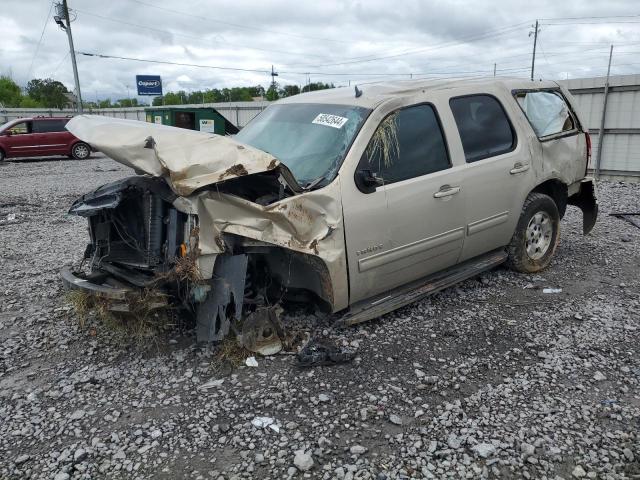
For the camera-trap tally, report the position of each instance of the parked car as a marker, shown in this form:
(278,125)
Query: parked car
(355,202)
(40,136)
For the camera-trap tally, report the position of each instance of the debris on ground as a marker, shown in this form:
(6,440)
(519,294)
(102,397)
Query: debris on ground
(318,352)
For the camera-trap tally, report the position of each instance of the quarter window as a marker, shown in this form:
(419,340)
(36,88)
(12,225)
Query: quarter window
(408,143)
(21,128)
(48,126)
(484,128)
(547,112)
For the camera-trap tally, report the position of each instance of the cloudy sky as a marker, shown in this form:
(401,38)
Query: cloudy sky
(337,41)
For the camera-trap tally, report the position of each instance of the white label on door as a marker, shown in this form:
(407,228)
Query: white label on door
(330,120)
(158,119)
(207,126)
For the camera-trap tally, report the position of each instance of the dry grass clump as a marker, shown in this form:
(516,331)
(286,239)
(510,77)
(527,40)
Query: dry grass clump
(142,324)
(384,142)
(229,355)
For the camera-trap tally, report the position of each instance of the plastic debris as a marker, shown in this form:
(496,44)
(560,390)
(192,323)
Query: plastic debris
(266,422)
(551,290)
(213,383)
(323,352)
(251,362)
(11,217)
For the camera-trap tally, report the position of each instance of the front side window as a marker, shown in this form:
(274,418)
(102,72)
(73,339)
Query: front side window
(20,128)
(483,125)
(408,143)
(49,126)
(547,112)
(310,139)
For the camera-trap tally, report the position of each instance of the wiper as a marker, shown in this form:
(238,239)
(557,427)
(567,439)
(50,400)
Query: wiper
(314,183)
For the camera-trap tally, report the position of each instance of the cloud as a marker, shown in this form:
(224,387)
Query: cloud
(337,41)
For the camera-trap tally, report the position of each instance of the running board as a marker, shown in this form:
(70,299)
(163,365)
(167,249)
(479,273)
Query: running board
(422,288)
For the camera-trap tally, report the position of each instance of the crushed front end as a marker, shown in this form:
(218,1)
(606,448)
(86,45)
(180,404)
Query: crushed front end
(137,239)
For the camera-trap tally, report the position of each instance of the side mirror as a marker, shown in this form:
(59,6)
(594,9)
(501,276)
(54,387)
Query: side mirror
(367,181)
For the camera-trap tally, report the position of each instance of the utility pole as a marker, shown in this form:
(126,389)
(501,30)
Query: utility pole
(64,22)
(494,69)
(535,42)
(604,112)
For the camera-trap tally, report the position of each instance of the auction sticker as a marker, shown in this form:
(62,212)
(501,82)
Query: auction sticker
(330,120)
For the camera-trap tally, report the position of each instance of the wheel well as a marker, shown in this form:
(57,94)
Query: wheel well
(557,191)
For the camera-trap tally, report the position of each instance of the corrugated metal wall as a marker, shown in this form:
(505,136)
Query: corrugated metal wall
(621,146)
(238,113)
(620,151)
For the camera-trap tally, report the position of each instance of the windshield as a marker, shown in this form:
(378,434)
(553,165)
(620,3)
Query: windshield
(310,139)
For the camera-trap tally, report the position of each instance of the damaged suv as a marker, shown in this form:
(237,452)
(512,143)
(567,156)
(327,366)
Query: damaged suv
(357,203)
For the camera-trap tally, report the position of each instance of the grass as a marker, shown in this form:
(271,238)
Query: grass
(384,141)
(142,325)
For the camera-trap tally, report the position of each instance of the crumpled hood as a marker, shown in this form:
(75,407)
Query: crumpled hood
(187,159)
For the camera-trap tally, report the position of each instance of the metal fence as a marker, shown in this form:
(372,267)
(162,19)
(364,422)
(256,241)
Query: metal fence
(621,134)
(621,138)
(238,113)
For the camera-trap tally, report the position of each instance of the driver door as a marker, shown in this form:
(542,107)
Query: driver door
(20,141)
(405,217)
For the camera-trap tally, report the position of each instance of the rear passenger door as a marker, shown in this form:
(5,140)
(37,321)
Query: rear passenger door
(418,226)
(51,137)
(498,172)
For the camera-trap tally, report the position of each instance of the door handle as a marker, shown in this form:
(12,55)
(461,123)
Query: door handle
(519,168)
(446,191)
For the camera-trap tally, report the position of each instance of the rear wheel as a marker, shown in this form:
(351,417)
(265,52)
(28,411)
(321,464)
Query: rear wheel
(537,235)
(80,151)
(2,155)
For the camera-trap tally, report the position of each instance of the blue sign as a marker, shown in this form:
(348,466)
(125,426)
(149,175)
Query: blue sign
(149,84)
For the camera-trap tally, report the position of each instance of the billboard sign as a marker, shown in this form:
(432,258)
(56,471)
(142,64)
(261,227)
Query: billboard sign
(149,84)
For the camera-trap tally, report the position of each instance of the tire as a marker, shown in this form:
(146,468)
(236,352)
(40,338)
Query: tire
(537,235)
(80,151)
(2,155)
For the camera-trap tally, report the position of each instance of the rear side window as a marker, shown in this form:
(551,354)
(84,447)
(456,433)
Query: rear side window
(484,128)
(547,112)
(49,126)
(408,143)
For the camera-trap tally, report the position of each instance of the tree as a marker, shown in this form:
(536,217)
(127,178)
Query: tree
(48,92)
(105,103)
(289,90)
(311,87)
(272,93)
(126,102)
(10,95)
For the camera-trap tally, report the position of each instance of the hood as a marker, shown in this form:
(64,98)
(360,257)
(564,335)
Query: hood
(187,159)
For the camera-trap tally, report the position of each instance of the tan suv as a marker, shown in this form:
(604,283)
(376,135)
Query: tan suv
(356,202)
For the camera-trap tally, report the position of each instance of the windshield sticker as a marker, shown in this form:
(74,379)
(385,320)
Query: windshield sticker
(330,120)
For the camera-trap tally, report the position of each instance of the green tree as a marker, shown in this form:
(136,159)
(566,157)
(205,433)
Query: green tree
(272,93)
(126,102)
(28,102)
(105,103)
(10,95)
(48,92)
(289,90)
(311,87)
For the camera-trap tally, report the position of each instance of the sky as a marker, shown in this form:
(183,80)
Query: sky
(344,42)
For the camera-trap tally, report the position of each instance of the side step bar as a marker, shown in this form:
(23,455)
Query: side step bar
(420,289)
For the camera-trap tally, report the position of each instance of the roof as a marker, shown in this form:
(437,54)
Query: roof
(376,93)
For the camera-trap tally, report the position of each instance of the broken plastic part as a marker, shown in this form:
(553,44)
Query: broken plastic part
(318,352)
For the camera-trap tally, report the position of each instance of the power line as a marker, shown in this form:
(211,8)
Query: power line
(464,40)
(237,25)
(590,18)
(44,27)
(268,71)
(193,37)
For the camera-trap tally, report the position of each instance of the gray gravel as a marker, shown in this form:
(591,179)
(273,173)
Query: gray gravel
(493,378)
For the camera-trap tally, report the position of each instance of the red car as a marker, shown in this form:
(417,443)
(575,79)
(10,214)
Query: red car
(40,136)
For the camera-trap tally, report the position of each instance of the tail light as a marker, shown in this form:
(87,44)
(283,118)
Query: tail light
(588,139)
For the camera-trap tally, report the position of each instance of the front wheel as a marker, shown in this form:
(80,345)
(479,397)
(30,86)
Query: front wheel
(80,151)
(537,235)
(2,155)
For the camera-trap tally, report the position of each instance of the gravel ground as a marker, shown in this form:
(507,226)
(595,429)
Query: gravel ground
(493,378)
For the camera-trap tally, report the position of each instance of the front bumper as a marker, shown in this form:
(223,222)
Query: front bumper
(117,296)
